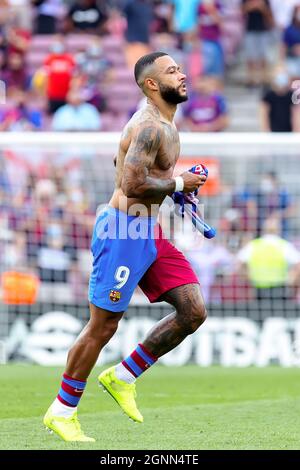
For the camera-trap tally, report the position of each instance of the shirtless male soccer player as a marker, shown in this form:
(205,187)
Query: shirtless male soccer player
(148,152)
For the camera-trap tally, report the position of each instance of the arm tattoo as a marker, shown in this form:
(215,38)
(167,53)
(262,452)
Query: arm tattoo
(139,160)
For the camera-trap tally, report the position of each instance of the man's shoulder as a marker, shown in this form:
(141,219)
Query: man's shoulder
(148,133)
(144,119)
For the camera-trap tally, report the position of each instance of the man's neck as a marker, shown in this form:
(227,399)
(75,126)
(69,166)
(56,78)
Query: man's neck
(166,110)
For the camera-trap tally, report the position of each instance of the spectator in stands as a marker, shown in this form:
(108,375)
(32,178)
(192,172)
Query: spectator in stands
(79,218)
(20,11)
(59,68)
(139,15)
(209,260)
(259,22)
(15,210)
(206,109)
(210,33)
(116,24)
(5,185)
(93,63)
(76,115)
(162,16)
(93,72)
(278,113)
(194,60)
(250,207)
(86,16)
(2,63)
(14,72)
(291,44)
(185,20)
(47,15)
(41,208)
(17,39)
(54,258)
(3,43)
(242,216)
(272,199)
(20,114)
(78,223)
(12,249)
(283,12)
(272,264)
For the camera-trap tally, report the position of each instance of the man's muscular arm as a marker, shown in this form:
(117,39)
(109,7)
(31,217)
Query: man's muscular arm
(140,157)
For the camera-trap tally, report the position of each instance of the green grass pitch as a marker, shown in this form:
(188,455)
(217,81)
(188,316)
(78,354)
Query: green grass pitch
(184,408)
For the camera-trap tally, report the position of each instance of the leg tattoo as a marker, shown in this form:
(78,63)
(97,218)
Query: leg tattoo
(172,330)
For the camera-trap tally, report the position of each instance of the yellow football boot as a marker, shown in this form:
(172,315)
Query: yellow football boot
(67,428)
(122,392)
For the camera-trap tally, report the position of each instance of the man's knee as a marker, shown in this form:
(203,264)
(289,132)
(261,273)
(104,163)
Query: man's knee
(194,319)
(189,305)
(104,333)
(199,316)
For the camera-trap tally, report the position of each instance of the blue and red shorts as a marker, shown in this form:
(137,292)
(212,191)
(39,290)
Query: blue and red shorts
(129,251)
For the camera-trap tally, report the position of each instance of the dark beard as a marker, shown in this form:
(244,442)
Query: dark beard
(171,95)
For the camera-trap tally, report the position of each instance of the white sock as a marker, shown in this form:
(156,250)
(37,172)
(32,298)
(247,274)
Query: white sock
(64,411)
(123,374)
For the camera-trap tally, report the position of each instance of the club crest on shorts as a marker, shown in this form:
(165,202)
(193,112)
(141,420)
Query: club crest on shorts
(115,295)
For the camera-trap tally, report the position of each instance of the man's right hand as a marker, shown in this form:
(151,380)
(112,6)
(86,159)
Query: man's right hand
(192,182)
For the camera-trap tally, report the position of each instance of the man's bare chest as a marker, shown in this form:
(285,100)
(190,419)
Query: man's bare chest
(169,150)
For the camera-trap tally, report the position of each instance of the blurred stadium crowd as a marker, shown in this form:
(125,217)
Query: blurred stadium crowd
(47,212)
(67,66)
